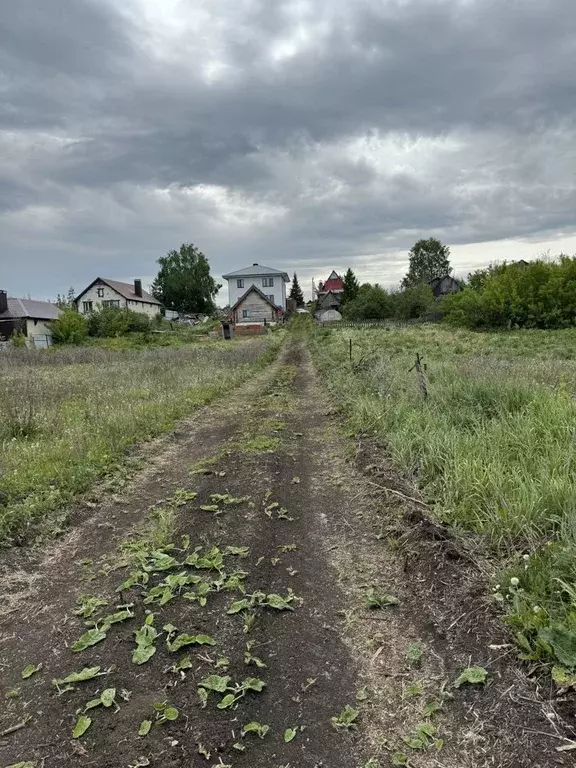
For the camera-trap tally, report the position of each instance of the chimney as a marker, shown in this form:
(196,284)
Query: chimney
(3,302)
(255,264)
(138,287)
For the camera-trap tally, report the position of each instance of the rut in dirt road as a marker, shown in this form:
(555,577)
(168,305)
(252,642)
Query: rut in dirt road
(256,615)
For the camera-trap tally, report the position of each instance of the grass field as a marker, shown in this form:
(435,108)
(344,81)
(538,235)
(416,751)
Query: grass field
(492,447)
(68,415)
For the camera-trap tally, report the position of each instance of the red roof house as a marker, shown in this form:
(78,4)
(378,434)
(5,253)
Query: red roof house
(335,284)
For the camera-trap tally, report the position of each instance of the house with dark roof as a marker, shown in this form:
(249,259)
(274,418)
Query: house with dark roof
(442,286)
(254,306)
(271,282)
(28,317)
(103,293)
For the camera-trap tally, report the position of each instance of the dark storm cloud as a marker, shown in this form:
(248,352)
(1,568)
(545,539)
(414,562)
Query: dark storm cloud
(468,109)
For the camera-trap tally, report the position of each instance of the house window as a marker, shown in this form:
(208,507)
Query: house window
(87,306)
(101,292)
(244,313)
(111,304)
(271,297)
(268,282)
(239,283)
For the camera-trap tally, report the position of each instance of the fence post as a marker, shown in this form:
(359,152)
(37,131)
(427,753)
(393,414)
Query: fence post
(350,350)
(421,377)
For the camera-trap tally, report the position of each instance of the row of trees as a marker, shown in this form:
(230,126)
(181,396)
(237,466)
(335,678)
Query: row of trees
(538,294)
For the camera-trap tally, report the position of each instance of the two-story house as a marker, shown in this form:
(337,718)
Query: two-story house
(271,282)
(103,293)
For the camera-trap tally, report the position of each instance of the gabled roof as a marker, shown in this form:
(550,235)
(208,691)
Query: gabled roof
(334,283)
(35,310)
(124,289)
(328,298)
(437,280)
(257,270)
(259,292)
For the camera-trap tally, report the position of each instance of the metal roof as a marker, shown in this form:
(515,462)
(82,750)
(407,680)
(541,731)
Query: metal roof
(124,289)
(257,270)
(36,310)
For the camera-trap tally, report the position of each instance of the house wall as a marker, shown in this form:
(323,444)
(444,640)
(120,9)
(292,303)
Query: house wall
(109,294)
(38,327)
(447,285)
(278,290)
(258,310)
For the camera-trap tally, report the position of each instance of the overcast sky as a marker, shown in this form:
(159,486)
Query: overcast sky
(302,134)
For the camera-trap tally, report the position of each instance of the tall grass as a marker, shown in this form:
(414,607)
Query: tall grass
(493,446)
(68,415)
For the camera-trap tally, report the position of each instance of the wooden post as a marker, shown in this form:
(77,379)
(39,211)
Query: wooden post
(421,377)
(350,350)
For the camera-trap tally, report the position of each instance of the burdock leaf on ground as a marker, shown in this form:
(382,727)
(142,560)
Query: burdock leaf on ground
(30,669)
(563,644)
(88,639)
(145,726)
(184,639)
(82,725)
(471,676)
(290,734)
(88,673)
(216,683)
(374,599)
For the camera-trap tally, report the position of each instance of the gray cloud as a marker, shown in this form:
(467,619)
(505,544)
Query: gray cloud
(306,134)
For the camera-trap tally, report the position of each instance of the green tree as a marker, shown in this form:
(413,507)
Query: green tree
(428,259)
(184,282)
(351,286)
(371,303)
(412,302)
(68,300)
(296,292)
(70,327)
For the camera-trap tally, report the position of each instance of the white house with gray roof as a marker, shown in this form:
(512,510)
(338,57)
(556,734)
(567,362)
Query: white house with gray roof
(272,283)
(28,317)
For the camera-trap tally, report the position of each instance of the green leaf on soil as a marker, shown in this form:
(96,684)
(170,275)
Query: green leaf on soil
(209,508)
(255,727)
(184,639)
(82,725)
(346,719)
(562,642)
(239,605)
(290,734)
(279,603)
(227,701)
(89,604)
(202,697)
(238,551)
(108,696)
(170,713)
(203,751)
(184,663)
(88,673)
(399,758)
(30,669)
(143,653)
(215,683)
(115,618)
(25,764)
(562,677)
(88,639)
(253,684)
(374,600)
(471,676)
(145,726)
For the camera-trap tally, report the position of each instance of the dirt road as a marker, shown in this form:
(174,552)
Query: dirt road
(237,570)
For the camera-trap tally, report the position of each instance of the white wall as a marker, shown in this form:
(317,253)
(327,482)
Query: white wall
(278,290)
(109,294)
(38,327)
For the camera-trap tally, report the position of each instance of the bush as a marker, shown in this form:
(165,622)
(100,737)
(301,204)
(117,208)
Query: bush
(70,328)
(413,302)
(18,339)
(371,303)
(110,322)
(541,294)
